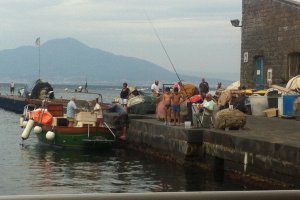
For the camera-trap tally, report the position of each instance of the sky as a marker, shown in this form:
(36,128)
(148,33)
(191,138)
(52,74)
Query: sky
(196,34)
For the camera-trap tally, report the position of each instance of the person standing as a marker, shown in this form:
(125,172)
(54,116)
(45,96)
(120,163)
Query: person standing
(97,109)
(203,87)
(167,105)
(12,88)
(124,95)
(71,109)
(122,118)
(176,101)
(155,88)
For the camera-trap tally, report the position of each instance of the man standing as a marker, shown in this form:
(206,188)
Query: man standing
(98,111)
(12,88)
(71,109)
(122,118)
(155,89)
(124,95)
(204,88)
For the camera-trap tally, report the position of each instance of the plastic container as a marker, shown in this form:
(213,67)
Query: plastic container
(258,104)
(187,124)
(273,99)
(288,105)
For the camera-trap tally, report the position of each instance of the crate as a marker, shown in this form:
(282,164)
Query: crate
(271,112)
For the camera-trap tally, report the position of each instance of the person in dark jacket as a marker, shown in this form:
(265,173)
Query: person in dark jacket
(124,95)
(204,88)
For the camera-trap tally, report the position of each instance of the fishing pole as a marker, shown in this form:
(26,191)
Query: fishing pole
(163,46)
(165,50)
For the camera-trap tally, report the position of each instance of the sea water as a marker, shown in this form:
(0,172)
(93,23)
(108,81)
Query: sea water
(29,168)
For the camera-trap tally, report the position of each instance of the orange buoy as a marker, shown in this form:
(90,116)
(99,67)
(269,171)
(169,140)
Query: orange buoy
(42,116)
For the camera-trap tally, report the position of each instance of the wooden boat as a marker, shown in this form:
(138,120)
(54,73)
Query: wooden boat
(51,128)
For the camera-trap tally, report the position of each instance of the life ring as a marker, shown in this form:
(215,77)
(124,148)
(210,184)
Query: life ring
(42,116)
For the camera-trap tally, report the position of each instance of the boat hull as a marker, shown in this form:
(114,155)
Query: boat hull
(77,137)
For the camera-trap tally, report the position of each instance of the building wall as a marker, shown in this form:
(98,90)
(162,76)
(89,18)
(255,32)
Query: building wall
(271,29)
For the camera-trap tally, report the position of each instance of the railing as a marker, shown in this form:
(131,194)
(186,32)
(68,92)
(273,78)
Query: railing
(245,195)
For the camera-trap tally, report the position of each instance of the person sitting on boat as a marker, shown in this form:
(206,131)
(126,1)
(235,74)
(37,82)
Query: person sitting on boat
(122,118)
(98,111)
(71,109)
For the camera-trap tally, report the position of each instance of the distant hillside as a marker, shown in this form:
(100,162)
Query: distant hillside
(70,61)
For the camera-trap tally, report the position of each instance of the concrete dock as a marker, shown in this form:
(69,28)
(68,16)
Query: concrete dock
(266,149)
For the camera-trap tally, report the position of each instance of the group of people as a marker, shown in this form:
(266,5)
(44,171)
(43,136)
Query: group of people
(122,115)
(173,100)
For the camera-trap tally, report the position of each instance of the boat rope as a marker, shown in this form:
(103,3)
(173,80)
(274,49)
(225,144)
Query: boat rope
(109,129)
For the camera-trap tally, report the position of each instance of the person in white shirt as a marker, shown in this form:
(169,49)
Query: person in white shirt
(97,109)
(155,89)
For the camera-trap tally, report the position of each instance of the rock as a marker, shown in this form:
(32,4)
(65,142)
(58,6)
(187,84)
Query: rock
(230,119)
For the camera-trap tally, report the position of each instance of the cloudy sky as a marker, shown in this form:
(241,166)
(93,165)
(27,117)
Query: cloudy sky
(197,34)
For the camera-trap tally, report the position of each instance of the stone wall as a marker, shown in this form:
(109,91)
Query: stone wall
(271,28)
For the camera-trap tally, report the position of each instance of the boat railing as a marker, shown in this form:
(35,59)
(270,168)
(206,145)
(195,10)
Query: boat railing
(99,96)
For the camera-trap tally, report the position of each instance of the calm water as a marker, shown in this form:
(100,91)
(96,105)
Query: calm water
(35,169)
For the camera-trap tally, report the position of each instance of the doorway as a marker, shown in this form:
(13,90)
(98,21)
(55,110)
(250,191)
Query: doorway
(259,80)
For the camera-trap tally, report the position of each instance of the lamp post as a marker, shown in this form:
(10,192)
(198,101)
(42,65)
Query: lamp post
(235,23)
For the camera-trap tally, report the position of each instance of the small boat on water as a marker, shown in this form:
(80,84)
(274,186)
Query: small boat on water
(36,94)
(51,127)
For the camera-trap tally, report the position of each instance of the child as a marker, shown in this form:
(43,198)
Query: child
(176,101)
(167,105)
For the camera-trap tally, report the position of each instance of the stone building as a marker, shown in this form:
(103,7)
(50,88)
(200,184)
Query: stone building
(270,52)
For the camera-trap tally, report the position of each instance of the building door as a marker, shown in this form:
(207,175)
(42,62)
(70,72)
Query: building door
(293,65)
(259,81)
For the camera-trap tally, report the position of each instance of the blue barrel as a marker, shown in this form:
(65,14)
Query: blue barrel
(288,104)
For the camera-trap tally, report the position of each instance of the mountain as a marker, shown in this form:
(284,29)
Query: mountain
(70,61)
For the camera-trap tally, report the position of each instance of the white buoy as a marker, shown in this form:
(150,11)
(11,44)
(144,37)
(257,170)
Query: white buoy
(25,123)
(21,121)
(27,130)
(37,129)
(50,135)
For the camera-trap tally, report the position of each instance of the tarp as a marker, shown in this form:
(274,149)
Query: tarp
(294,83)
(234,86)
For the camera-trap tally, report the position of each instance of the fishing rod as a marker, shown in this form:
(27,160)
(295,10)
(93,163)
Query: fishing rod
(163,46)
(165,50)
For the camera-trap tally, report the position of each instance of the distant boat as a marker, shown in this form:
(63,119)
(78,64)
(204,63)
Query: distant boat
(40,91)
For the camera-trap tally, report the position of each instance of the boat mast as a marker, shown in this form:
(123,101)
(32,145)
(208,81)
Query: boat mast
(37,43)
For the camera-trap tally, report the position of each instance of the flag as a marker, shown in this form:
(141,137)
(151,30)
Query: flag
(37,41)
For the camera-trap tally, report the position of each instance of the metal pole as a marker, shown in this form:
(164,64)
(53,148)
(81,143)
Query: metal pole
(39,60)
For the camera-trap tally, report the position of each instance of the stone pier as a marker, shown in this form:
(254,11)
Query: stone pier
(266,147)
